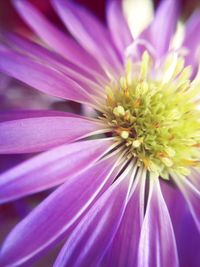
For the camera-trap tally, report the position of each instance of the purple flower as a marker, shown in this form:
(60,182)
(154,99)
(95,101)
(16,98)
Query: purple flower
(119,170)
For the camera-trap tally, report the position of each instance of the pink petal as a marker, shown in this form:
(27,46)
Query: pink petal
(192,197)
(163,27)
(24,114)
(48,57)
(157,246)
(41,77)
(123,251)
(60,42)
(50,169)
(50,221)
(194,177)
(191,40)
(41,133)
(95,232)
(187,236)
(118,26)
(89,32)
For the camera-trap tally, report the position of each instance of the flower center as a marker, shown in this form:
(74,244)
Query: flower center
(154,112)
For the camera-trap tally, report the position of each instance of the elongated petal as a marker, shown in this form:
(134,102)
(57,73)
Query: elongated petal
(48,57)
(24,114)
(93,235)
(118,26)
(41,77)
(38,134)
(89,32)
(189,251)
(163,26)
(55,215)
(64,45)
(195,178)
(157,245)
(192,196)
(192,39)
(184,226)
(123,251)
(4,82)
(50,169)
(175,203)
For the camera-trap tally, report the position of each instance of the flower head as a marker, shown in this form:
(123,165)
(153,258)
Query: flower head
(145,129)
(152,111)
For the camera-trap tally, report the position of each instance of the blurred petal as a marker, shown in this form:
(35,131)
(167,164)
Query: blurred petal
(38,134)
(95,232)
(192,39)
(118,26)
(176,43)
(157,246)
(195,178)
(192,27)
(50,169)
(24,114)
(162,29)
(133,10)
(89,32)
(4,82)
(41,77)
(43,55)
(57,40)
(47,223)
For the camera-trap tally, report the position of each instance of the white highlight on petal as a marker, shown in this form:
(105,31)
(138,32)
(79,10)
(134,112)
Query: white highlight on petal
(157,245)
(178,37)
(138,13)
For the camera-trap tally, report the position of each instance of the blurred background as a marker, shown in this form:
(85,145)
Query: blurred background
(10,20)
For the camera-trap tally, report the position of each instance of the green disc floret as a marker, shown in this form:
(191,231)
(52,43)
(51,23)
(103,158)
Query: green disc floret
(155,114)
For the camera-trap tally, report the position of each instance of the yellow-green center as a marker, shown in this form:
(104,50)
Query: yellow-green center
(154,112)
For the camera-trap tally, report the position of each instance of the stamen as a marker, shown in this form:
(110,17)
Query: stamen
(154,112)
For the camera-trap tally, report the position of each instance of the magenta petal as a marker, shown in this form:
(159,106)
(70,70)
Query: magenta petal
(123,251)
(24,114)
(89,32)
(192,196)
(38,134)
(43,55)
(187,236)
(162,29)
(189,242)
(50,169)
(192,39)
(95,232)
(4,83)
(157,245)
(47,223)
(41,77)
(118,26)
(194,177)
(60,42)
